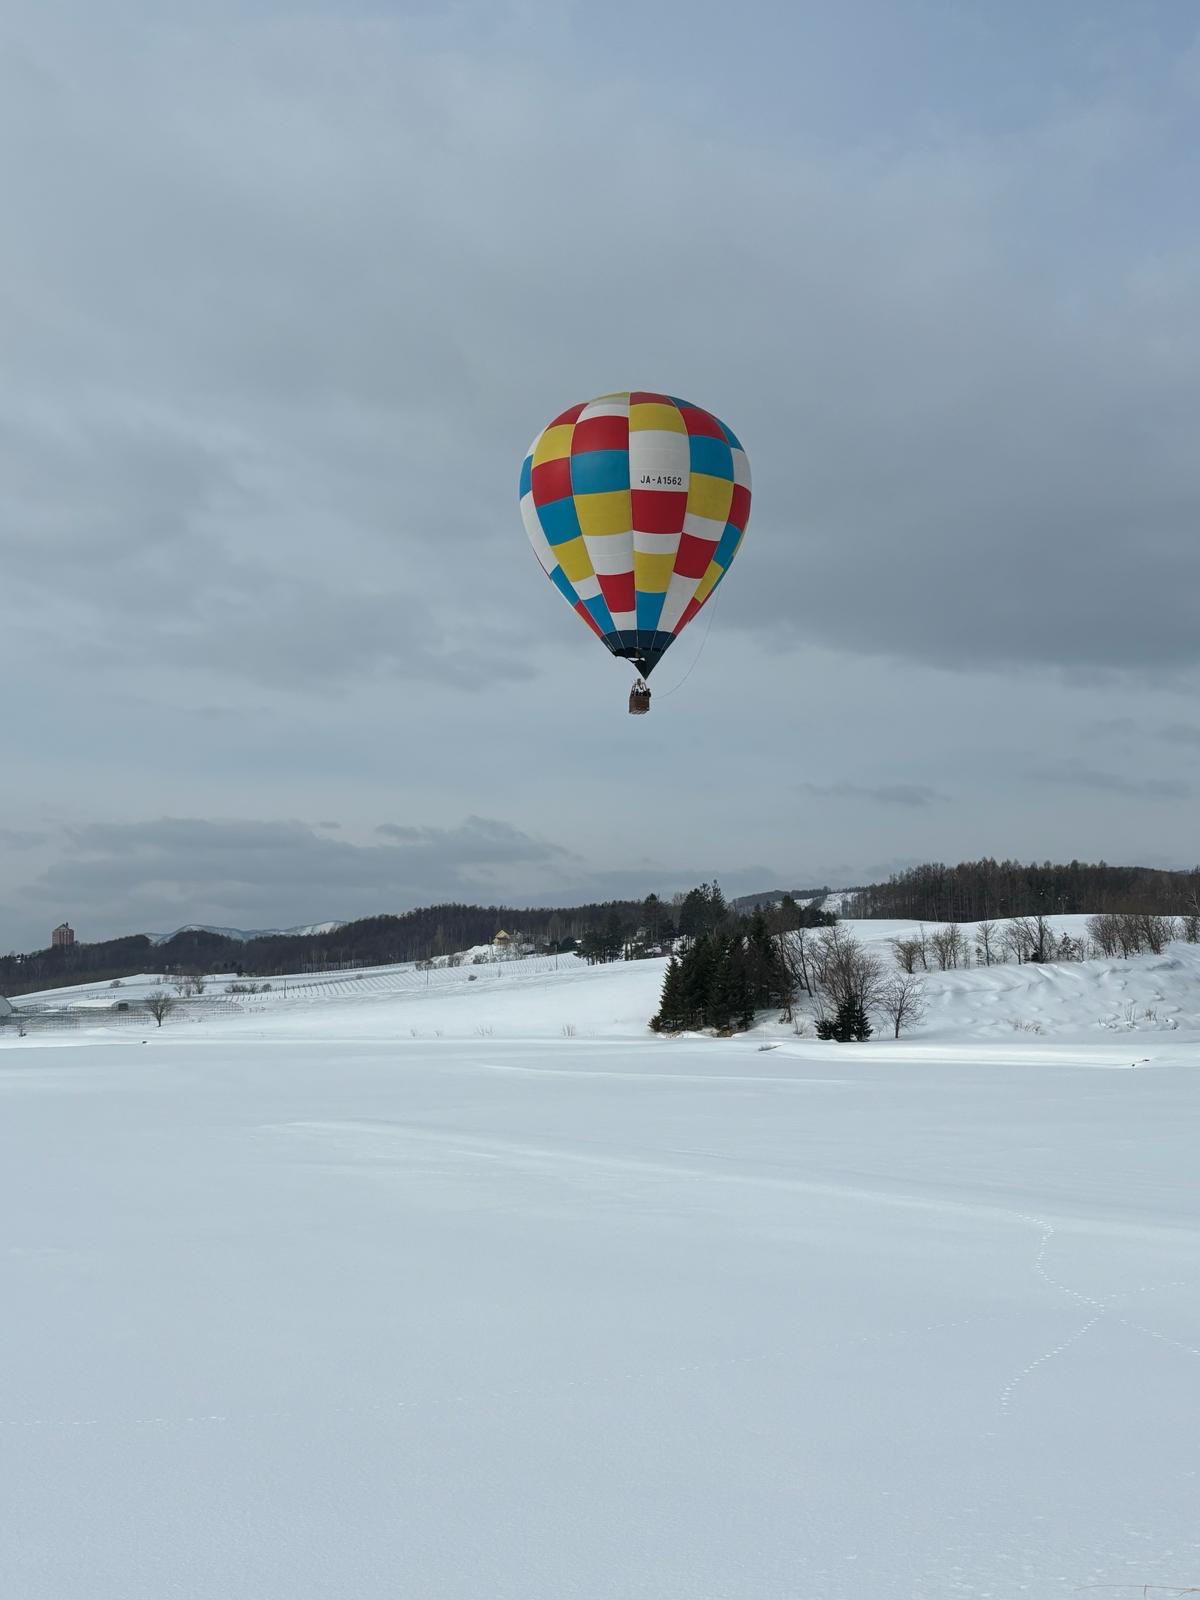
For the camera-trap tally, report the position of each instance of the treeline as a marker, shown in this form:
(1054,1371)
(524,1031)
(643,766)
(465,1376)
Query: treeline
(701,914)
(429,931)
(59,966)
(977,891)
(603,931)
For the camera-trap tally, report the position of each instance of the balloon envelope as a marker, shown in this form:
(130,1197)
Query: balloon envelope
(635,505)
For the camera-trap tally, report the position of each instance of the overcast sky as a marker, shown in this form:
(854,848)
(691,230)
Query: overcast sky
(285,291)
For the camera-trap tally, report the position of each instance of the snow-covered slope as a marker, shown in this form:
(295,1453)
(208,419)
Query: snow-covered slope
(394,1285)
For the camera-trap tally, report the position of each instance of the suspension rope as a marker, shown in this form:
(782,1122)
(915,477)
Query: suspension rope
(711,607)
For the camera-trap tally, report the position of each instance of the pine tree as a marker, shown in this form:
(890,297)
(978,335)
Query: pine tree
(671,1007)
(742,986)
(768,976)
(693,916)
(730,987)
(698,970)
(844,1022)
(613,936)
(718,909)
(722,998)
(850,1023)
(860,1022)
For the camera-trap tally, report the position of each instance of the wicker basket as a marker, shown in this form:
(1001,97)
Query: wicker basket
(639,699)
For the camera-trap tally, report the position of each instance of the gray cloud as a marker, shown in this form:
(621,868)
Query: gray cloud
(1103,728)
(255,872)
(156,874)
(288,292)
(20,839)
(889,794)
(478,839)
(1077,775)
(273,411)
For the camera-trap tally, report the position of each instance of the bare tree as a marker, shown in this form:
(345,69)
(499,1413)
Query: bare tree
(1129,933)
(796,955)
(199,983)
(1104,934)
(948,945)
(1020,937)
(902,1000)
(1157,932)
(159,1004)
(987,943)
(907,953)
(847,974)
(798,961)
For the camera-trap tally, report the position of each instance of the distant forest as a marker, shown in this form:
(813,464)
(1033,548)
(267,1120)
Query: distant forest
(600,931)
(968,892)
(976,890)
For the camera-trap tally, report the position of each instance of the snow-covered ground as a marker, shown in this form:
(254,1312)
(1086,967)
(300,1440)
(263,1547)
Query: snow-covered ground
(404,1284)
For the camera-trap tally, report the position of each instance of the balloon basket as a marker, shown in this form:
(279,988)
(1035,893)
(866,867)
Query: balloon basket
(639,699)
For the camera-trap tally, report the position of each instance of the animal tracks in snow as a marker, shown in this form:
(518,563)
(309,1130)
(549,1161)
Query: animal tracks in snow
(1101,1309)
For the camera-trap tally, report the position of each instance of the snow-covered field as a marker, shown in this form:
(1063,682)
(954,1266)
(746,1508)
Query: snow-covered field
(410,1285)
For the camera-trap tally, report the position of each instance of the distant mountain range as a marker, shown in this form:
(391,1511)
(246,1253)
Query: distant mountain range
(247,933)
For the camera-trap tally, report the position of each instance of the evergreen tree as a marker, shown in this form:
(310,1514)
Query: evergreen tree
(693,916)
(718,909)
(672,1014)
(703,911)
(657,921)
(722,1000)
(843,1022)
(730,987)
(613,937)
(768,976)
(860,1023)
(851,1022)
(700,966)
(741,985)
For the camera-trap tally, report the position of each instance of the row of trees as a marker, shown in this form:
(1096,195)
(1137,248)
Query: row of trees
(975,891)
(1020,939)
(1135,933)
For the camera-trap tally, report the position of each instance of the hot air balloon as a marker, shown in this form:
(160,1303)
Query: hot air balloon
(636,504)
